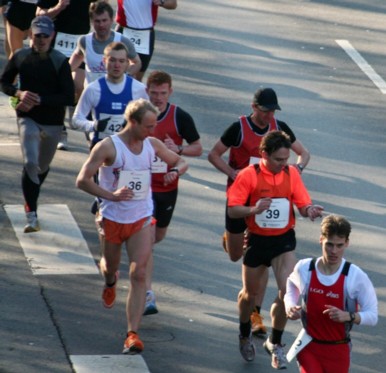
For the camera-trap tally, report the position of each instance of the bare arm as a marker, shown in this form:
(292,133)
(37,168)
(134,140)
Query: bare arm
(102,153)
(194,149)
(135,65)
(302,153)
(215,157)
(178,165)
(311,211)
(167,4)
(237,212)
(54,11)
(76,59)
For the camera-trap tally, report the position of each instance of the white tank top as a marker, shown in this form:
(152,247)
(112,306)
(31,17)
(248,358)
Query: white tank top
(95,67)
(127,212)
(138,13)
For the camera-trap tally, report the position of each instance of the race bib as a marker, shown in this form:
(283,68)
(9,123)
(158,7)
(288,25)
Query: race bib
(301,341)
(276,216)
(158,166)
(113,126)
(137,181)
(66,43)
(140,39)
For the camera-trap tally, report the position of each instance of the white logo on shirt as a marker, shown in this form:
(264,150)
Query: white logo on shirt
(116,105)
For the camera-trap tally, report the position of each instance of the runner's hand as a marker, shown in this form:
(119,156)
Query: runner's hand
(100,125)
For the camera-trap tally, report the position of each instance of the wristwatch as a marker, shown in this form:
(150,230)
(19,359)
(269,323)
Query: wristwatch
(300,167)
(175,169)
(352,316)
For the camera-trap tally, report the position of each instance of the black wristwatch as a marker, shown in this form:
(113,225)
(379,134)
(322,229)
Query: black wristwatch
(175,169)
(300,167)
(352,316)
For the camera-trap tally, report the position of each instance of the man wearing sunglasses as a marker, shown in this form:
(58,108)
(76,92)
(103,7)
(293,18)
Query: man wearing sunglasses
(243,138)
(46,87)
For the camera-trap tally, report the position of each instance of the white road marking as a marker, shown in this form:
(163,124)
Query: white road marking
(109,363)
(9,144)
(59,247)
(362,64)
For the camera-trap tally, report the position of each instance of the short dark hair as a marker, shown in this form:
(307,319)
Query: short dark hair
(99,7)
(335,225)
(158,77)
(273,141)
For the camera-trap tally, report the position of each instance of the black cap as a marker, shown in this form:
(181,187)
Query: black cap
(267,99)
(42,25)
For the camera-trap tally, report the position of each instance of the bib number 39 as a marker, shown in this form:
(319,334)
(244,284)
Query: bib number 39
(277,216)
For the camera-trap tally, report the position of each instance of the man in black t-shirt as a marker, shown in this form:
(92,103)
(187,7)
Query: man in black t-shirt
(174,127)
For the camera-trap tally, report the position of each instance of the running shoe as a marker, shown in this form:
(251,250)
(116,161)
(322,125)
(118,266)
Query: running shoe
(133,345)
(150,306)
(63,143)
(109,293)
(247,348)
(279,360)
(32,222)
(258,327)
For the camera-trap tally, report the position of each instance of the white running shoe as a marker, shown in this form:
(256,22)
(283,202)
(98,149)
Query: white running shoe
(63,143)
(150,306)
(279,360)
(32,222)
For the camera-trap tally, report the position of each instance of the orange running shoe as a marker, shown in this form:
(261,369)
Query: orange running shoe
(109,293)
(258,327)
(133,345)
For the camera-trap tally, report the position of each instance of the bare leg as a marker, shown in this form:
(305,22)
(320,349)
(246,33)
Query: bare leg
(235,245)
(139,250)
(15,37)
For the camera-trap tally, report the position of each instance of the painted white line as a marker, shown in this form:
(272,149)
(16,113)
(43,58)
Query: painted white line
(9,144)
(362,64)
(109,363)
(59,247)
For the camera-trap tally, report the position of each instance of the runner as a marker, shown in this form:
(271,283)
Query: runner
(124,162)
(136,20)
(264,195)
(174,126)
(335,295)
(243,138)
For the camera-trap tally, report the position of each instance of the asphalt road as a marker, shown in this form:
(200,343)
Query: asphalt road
(219,52)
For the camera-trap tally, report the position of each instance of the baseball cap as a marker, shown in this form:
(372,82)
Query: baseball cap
(266,98)
(42,25)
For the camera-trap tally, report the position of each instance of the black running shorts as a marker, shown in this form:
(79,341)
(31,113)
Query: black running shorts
(262,249)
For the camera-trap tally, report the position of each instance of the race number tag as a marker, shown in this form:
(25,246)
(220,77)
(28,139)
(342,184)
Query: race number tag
(137,181)
(66,43)
(301,341)
(113,126)
(276,216)
(158,166)
(140,39)
(254,160)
